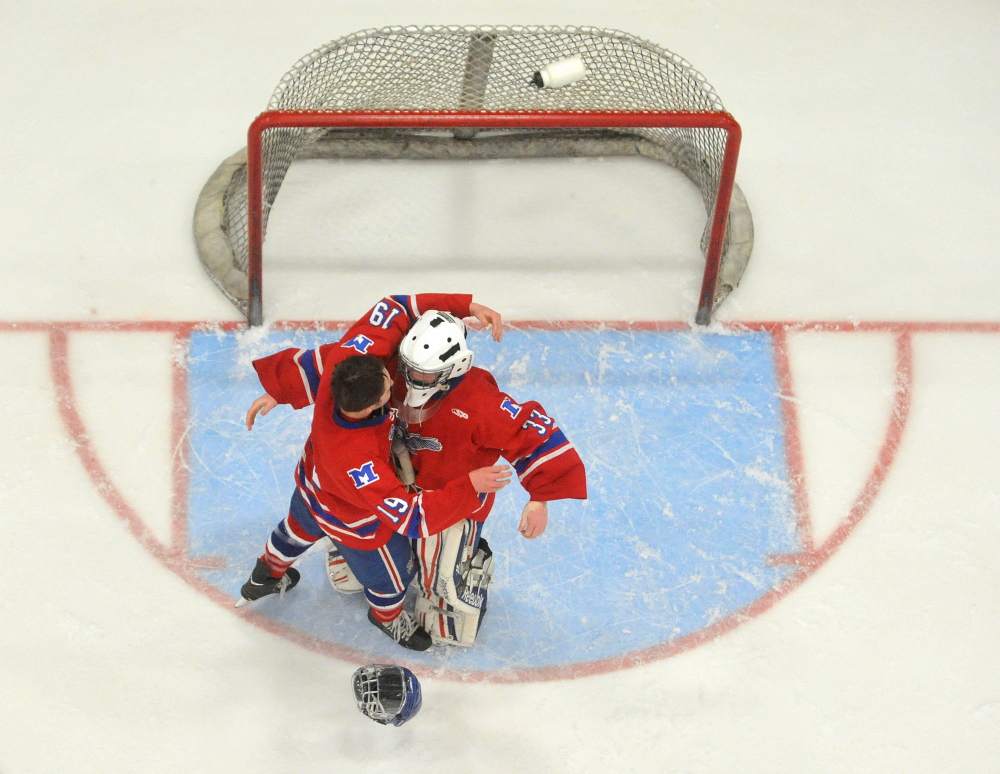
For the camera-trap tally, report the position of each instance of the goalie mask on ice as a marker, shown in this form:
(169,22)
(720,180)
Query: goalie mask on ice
(387,694)
(455,575)
(433,353)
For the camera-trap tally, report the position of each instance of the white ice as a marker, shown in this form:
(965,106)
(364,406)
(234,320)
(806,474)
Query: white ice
(870,160)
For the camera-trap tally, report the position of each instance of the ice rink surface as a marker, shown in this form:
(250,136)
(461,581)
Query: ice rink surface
(869,162)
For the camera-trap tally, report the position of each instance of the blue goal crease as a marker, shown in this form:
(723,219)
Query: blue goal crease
(689,492)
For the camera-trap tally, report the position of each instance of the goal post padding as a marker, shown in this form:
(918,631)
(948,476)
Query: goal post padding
(467,93)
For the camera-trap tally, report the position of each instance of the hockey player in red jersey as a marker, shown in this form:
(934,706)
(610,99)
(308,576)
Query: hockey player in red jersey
(453,418)
(346,489)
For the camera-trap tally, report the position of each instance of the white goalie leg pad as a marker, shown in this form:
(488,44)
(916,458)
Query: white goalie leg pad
(454,558)
(441,557)
(445,625)
(453,612)
(339,574)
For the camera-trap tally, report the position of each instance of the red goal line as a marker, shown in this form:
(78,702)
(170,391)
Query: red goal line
(770,326)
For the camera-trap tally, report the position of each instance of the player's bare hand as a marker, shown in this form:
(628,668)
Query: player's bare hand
(491,479)
(534,519)
(488,318)
(261,406)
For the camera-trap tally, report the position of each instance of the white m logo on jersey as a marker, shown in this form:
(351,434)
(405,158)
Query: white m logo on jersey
(364,475)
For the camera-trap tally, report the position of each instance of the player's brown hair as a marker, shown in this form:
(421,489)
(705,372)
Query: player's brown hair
(357,382)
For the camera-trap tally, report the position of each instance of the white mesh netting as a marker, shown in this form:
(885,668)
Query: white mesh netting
(475,69)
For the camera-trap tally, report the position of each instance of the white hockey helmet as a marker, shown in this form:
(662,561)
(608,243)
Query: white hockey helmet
(433,352)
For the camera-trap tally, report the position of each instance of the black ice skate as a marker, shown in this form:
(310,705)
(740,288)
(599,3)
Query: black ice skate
(403,630)
(261,583)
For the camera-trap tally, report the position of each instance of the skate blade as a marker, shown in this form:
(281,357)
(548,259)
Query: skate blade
(242,602)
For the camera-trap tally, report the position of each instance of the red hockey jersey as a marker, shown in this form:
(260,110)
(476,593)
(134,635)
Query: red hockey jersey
(292,376)
(476,424)
(345,475)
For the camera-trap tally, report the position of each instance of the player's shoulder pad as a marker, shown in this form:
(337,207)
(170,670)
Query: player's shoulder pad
(482,375)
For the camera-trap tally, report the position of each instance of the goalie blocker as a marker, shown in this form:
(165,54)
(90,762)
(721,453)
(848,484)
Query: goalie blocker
(456,569)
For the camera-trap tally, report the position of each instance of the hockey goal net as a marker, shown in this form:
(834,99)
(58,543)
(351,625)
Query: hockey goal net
(469,93)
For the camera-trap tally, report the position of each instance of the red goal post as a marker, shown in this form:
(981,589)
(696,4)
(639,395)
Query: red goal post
(275,119)
(479,93)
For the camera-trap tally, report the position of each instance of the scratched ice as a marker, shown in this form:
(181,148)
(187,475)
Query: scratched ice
(689,497)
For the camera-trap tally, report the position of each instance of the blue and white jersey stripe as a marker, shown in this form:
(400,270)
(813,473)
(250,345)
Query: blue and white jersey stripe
(555,444)
(311,369)
(362,529)
(415,526)
(409,305)
(407,515)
